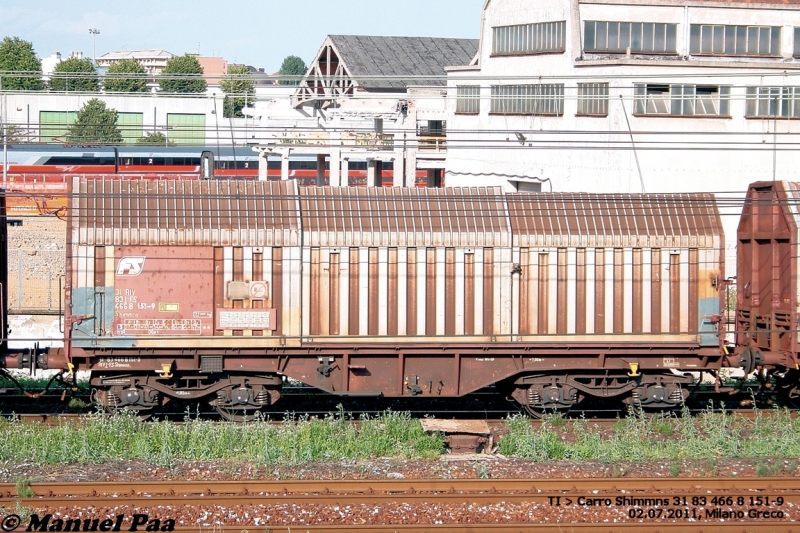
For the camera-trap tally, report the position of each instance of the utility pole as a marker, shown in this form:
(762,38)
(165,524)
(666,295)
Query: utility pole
(95,32)
(4,133)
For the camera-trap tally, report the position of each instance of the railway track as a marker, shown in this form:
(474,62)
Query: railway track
(648,504)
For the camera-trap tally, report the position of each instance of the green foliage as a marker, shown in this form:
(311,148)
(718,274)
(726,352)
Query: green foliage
(75,75)
(99,439)
(95,124)
(239,91)
(292,66)
(126,76)
(18,56)
(23,487)
(15,134)
(155,139)
(709,436)
(183,74)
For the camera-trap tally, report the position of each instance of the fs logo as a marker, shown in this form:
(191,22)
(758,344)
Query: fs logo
(130,266)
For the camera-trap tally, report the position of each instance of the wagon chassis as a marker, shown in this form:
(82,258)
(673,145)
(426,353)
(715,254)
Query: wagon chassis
(536,375)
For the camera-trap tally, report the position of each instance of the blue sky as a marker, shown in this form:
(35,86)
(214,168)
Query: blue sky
(256,32)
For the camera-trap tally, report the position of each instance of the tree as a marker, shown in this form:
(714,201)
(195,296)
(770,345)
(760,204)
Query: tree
(155,139)
(15,134)
(239,91)
(183,74)
(292,66)
(76,75)
(95,124)
(18,56)
(126,76)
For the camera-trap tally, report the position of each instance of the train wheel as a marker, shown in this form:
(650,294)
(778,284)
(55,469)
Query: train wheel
(788,387)
(119,400)
(245,401)
(541,399)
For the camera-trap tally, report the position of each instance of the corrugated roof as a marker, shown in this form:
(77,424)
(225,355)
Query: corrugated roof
(614,220)
(410,60)
(375,216)
(112,212)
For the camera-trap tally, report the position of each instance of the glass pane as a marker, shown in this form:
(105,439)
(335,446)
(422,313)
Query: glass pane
(775,42)
(647,37)
(763,41)
(752,41)
(694,39)
(636,37)
(661,37)
(741,40)
(730,40)
(797,42)
(672,38)
(706,39)
(613,35)
(676,99)
(588,36)
(719,40)
(751,106)
(624,36)
(602,34)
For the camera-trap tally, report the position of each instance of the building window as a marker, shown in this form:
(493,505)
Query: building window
(797,42)
(593,99)
(682,100)
(468,99)
(541,38)
(54,125)
(184,128)
(718,40)
(435,128)
(638,37)
(544,99)
(771,102)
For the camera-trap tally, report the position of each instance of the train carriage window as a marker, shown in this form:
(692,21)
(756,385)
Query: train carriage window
(273,165)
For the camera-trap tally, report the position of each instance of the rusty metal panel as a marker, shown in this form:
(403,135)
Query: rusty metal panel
(404,217)
(167,293)
(600,291)
(470,307)
(614,220)
(411,291)
(123,212)
(488,292)
(767,294)
(580,291)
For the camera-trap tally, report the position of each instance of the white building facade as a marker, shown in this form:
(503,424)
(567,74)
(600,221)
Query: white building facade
(629,96)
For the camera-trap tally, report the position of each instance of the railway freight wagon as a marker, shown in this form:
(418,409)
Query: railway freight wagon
(768,285)
(218,290)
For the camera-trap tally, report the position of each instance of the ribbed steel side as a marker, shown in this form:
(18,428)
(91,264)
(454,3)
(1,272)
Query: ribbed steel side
(375,216)
(630,266)
(614,220)
(768,267)
(184,213)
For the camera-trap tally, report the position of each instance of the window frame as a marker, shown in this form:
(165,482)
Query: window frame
(524,39)
(788,99)
(626,30)
(704,38)
(470,96)
(527,99)
(597,94)
(680,100)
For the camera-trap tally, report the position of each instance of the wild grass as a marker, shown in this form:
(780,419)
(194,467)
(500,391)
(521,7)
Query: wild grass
(100,439)
(638,438)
